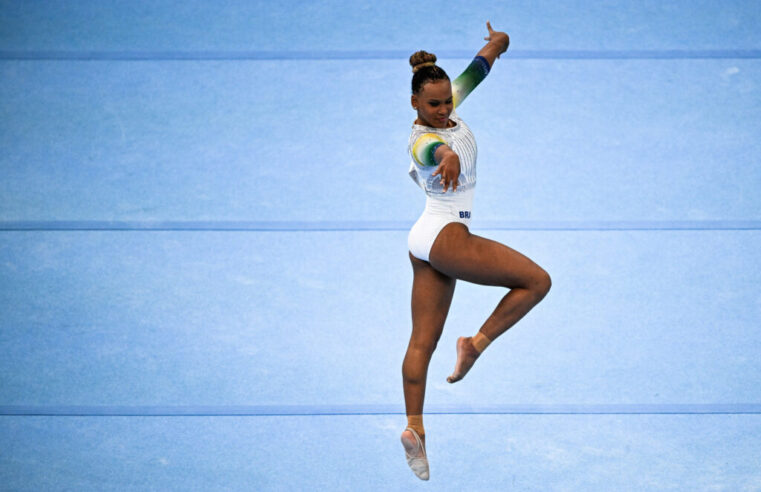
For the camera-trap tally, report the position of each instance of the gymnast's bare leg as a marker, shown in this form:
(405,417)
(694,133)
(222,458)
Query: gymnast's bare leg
(458,254)
(432,293)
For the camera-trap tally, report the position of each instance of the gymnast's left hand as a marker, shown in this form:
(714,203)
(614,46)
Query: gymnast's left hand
(500,39)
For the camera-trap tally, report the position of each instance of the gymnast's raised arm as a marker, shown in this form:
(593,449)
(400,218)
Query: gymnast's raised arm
(480,66)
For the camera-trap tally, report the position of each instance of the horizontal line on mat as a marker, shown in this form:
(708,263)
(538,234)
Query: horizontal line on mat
(316,410)
(126,55)
(377,225)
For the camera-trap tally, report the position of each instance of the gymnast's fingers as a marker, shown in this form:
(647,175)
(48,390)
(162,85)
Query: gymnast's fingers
(439,170)
(491,31)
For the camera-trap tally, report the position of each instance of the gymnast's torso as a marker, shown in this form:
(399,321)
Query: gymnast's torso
(459,138)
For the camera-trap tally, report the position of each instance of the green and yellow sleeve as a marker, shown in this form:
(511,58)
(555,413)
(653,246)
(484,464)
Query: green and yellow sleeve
(469,79)
(424,149)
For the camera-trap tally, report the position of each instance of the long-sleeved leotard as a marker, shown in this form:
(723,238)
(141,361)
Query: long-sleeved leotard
(424,140)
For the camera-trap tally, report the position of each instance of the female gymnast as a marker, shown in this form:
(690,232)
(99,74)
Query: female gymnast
(442,249)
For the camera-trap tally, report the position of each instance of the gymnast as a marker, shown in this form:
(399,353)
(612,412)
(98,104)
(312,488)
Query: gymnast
(441,247)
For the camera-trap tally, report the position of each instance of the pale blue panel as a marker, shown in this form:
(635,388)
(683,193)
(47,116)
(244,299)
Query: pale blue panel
(621,140)
(326,140)
(364,25)
(358,453)
(320,318)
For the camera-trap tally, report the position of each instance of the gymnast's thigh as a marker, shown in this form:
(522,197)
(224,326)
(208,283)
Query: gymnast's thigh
(460,254)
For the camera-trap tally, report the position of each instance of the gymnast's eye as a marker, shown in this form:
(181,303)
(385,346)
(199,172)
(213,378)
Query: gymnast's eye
(434,103)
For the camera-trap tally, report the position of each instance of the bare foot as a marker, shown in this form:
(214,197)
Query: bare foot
(466,357)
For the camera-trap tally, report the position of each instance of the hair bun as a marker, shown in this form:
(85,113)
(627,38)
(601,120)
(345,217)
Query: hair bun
(422,59)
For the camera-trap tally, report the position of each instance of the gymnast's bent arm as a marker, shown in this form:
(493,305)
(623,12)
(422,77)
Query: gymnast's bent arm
(430,150)
(480,66)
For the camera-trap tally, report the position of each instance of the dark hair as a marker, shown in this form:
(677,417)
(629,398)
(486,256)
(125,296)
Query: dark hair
(425,73)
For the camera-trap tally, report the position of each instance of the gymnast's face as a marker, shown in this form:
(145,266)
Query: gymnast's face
(434,103)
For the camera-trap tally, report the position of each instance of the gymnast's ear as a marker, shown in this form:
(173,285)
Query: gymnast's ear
(414,101)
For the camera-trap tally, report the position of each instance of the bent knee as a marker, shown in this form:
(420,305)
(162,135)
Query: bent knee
(542,283)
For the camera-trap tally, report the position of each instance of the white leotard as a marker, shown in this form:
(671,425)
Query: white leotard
(442,208)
